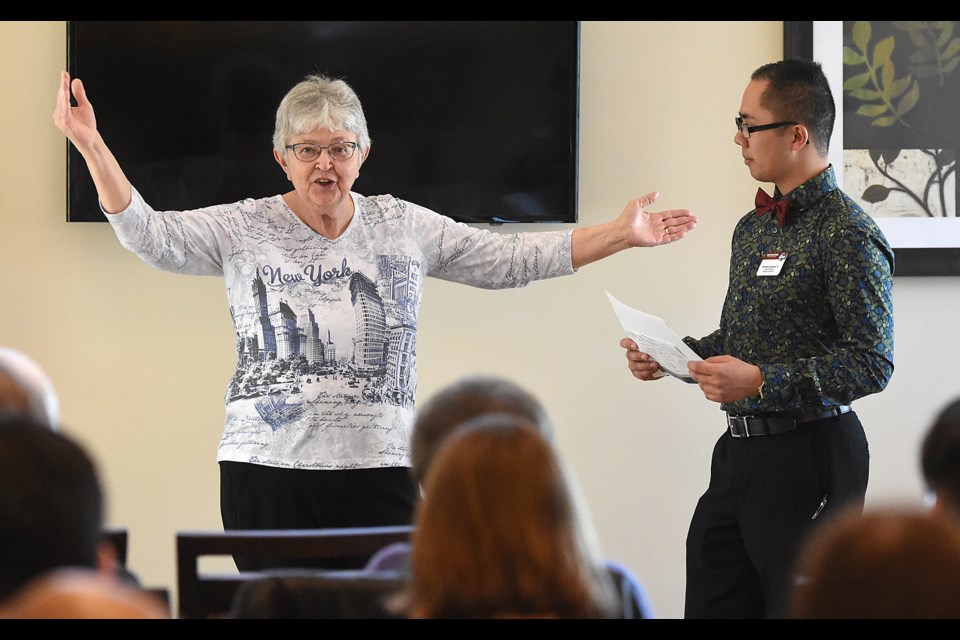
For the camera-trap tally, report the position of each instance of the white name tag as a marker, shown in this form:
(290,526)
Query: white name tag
(772,263)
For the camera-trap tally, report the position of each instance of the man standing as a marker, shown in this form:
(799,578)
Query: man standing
(806,328)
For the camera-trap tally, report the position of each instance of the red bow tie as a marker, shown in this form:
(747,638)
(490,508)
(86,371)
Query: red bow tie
(766,204)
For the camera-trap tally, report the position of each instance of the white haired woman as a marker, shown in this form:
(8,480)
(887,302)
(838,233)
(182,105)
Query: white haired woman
(324,286)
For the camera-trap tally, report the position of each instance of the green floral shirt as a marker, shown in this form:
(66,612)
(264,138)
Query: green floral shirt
(821,330)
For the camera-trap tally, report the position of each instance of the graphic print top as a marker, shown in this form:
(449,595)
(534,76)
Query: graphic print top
(326,330)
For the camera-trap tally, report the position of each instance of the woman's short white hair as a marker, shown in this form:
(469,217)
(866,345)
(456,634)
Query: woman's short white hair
(320,102)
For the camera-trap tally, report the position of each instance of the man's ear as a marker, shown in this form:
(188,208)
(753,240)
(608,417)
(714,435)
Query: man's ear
(801,136)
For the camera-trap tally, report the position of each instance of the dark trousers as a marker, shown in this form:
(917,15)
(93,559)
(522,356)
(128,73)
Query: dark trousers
(260,497)
(765,495)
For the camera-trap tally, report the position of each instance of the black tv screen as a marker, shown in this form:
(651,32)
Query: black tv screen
(477,120)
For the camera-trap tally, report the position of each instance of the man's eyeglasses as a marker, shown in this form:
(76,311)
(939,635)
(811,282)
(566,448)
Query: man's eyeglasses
(308,152)
(746,130)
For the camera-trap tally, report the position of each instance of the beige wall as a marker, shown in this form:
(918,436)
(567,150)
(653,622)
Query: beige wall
(142,357)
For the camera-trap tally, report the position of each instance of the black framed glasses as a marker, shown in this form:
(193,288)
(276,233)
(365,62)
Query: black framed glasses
(745,130)
(308,152)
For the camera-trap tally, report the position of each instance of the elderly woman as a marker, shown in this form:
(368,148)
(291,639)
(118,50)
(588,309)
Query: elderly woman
(324,287)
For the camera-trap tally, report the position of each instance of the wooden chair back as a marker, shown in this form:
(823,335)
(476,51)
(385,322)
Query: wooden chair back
(204,594)
(117,536)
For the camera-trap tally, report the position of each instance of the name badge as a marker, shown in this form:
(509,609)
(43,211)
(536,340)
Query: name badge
(772,263)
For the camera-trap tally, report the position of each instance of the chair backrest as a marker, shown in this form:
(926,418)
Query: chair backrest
(202,594)
(117,536)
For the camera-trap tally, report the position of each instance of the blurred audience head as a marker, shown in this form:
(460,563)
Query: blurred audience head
(895,562)
(467,398)
(75,594)
(51,504)
(940,460)
(26,389)
(504,532)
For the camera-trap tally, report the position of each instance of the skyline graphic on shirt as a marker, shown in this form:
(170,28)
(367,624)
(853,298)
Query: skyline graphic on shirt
(290,356)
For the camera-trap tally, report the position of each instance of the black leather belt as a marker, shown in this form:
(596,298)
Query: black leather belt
(771,424)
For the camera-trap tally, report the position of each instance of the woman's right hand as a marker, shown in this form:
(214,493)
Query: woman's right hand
(78,123)
(80,126)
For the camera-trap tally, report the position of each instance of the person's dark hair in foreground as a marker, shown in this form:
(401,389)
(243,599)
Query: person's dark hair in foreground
(940,460)
(888,563)
(51,503)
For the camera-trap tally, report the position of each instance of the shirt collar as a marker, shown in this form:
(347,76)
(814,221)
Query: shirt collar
(811,191)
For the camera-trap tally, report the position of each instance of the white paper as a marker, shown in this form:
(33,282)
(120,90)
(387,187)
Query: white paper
(654,337)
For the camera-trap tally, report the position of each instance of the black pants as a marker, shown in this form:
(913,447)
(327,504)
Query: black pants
(260,497)
(764,497)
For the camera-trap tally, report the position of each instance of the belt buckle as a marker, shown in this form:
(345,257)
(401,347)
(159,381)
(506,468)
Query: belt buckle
(742,421)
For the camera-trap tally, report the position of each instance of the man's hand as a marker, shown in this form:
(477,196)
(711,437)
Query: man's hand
(641,365)
(726,379)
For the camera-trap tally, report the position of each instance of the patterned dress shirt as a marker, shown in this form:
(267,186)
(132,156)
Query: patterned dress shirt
(821,330)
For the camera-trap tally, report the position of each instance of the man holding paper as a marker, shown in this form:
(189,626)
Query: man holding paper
(806,329)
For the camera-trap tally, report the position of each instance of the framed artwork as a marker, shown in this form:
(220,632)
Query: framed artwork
(900,131)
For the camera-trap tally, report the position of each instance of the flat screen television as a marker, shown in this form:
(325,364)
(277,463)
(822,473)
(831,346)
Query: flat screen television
(477,120)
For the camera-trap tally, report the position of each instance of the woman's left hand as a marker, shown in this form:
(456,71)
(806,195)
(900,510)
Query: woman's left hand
(634,227)
(642,228)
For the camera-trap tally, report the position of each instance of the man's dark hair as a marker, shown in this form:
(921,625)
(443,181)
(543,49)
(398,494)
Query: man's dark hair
(798,91)
(51,503)
(940,455)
